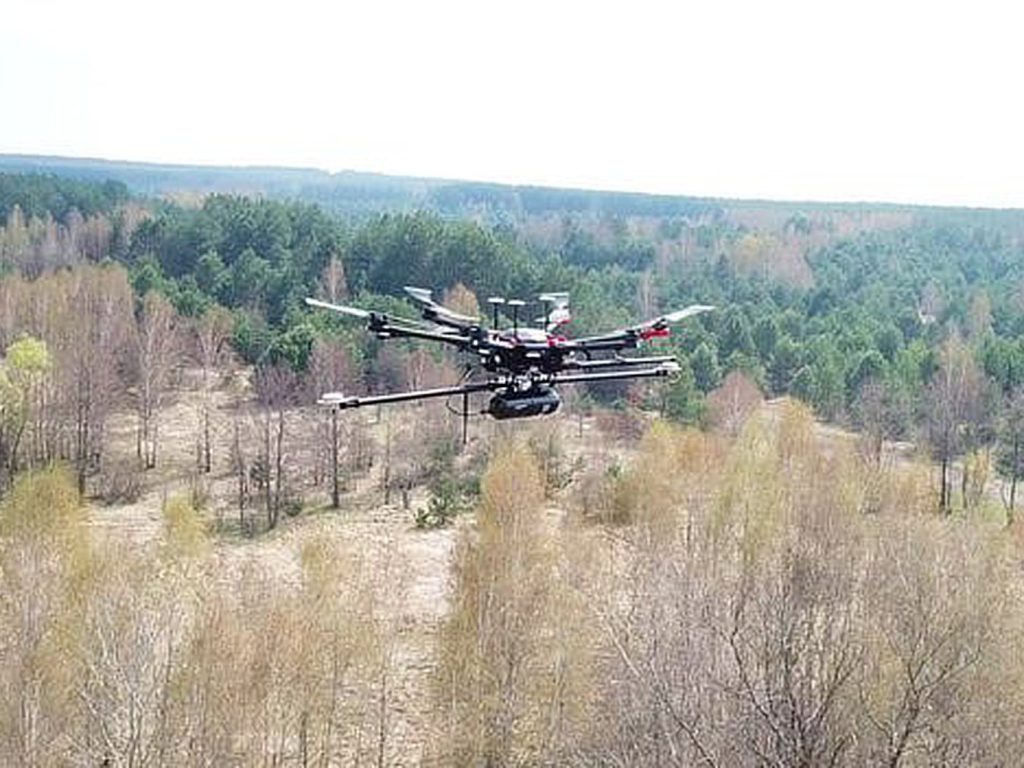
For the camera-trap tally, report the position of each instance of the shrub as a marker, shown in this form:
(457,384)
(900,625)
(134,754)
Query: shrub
(119,483)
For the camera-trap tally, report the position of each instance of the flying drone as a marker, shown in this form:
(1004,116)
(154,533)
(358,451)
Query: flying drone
(521,365)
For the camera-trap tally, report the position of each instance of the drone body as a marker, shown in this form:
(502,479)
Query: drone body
(521,366)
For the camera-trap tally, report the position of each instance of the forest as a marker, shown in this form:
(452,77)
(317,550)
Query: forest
(800,551)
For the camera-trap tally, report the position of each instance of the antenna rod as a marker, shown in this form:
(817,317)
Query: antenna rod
(516,304)
(495,302)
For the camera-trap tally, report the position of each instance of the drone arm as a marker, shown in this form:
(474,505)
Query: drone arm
(611,341)
(343,402)
(387,329)
(617,362)
(385,326)
(629,338)
(666,369)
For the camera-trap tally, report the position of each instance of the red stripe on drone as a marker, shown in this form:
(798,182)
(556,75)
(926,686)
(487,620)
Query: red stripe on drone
(654,333)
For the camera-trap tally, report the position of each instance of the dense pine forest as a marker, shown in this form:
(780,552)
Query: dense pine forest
(800,551)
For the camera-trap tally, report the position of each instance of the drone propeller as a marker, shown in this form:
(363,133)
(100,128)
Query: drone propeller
(559,298)
(659,325)
(386,326)
(436,312)
(422,295)
(682,314)
(362,314)
(627,338)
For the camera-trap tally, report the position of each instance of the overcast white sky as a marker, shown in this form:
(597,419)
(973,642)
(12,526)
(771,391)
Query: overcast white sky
(866,100)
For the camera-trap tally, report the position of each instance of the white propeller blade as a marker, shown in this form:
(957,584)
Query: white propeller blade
(353,311)
(422,295)
(559,298)
(696,309)
(425,297)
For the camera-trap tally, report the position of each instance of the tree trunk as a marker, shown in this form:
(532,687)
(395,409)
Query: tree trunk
(1013,496)
(279,463)
(240,470)
(207,452)
(944,490)
(335,498)
(1013,481)
(963,484)
(83,458)
(267,498)
(386,471)
(153,426)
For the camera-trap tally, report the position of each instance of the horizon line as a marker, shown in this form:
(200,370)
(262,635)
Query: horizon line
(444,180)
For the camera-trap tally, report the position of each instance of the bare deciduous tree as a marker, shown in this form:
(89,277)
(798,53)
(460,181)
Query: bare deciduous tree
(332,371)
(462,300)
(954,404)
(212,331)
(733,402)
(156,349)
(276,387)
(1010,457)
(492,661)
(332,282)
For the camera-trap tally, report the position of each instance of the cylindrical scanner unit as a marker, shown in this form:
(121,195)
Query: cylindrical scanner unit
(519,405)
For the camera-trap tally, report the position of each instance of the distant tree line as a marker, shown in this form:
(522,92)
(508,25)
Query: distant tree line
(39,195)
